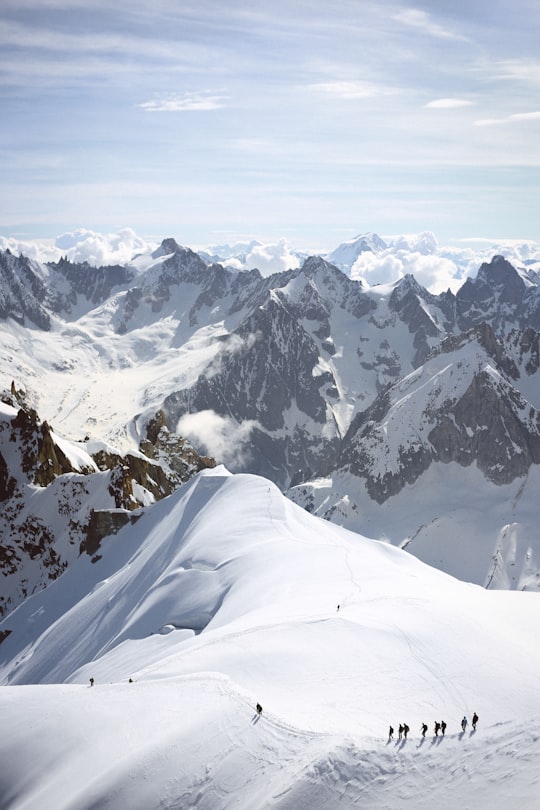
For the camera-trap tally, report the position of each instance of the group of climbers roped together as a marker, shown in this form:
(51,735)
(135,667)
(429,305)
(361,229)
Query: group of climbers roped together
(403,728)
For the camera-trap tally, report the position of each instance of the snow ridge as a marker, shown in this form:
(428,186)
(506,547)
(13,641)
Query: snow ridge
(225,594)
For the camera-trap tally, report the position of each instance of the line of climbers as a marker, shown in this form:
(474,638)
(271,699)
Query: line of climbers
(403,728)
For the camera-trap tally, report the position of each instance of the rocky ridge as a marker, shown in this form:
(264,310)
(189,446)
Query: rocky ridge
(60,499)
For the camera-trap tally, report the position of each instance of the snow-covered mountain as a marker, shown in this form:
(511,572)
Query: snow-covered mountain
(225,595)
(351,398)
(149,606)
(346,254)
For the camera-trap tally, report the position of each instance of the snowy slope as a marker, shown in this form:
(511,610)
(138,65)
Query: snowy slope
(225,594)
(451,518)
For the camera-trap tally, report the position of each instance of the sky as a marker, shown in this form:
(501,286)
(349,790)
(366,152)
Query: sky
(310,121)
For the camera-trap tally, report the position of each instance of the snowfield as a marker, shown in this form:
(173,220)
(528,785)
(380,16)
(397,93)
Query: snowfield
(226,594)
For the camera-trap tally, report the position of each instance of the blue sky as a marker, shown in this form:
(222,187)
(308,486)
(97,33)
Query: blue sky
(214,121)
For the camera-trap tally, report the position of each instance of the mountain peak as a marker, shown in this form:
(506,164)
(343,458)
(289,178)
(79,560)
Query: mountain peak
(500,272)
(345,255)
(168,246)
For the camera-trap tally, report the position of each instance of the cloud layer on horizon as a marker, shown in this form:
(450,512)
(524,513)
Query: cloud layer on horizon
(434,266)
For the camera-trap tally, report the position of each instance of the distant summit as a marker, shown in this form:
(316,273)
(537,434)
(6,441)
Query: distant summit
(167,247)
(345,255)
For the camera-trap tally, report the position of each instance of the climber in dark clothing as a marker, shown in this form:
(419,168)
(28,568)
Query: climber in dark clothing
(400,731)
(437,728)
(474,721)
(424,729)
(443,727)
(406,730)
(259,708)
(390,733)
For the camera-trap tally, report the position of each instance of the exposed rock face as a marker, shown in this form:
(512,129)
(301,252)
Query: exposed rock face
(54,508)
(266,364)
(42,459)
(22,291)
(104,523)
(172,453)
(492,425)
(463,408)
(7,482)
(30,292)
(500,296)
(526,347)
(82,281)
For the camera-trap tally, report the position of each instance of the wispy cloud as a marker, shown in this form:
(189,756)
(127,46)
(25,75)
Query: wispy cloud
(352,89)
(423,22)
(44,38)
(185,102)
(524,70)
(448,103)
(509,119)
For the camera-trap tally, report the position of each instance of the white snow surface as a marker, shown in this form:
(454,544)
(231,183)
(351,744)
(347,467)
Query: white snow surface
(225,594)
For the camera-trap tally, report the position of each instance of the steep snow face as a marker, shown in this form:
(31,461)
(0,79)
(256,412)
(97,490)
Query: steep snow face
(226,594)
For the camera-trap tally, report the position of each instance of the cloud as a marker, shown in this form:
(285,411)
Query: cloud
(436,273)
(415,255)
(185,103)
(438,268)
(524,70)
(101,249)
(42,251)
(80,41)
(353,89)
(217,436)
(82,245)
(448,103)
(509,119)
(422,21)
(530,116)
(271,258)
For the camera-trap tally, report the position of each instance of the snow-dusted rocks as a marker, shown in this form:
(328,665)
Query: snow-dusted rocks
(460,405)
(60,498)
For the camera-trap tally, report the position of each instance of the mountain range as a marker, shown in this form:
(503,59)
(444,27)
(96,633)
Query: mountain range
(388,409)
(214,484)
